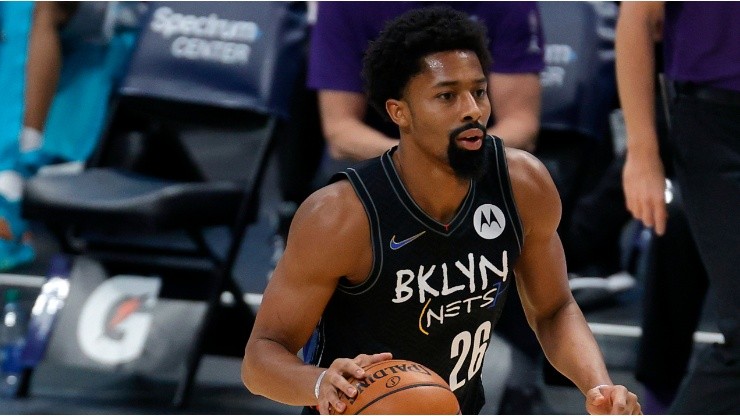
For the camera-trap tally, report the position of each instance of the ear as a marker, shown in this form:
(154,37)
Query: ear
(398,111)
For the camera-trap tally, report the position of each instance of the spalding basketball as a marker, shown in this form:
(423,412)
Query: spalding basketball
(400,387)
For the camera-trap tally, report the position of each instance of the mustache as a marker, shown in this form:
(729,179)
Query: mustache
(456,132)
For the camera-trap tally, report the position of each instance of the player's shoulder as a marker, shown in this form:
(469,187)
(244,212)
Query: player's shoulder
(334,210)
(525,169)
(330,235)
(535,193)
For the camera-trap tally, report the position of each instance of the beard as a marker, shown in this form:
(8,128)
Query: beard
(467,164)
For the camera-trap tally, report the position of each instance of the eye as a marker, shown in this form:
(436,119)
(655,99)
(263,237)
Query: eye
(445,96)
(480,93)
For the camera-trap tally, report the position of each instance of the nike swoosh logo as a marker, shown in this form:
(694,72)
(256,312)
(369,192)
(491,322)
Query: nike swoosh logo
(396,245)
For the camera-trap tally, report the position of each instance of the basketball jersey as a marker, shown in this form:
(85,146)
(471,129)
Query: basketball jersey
(435,291)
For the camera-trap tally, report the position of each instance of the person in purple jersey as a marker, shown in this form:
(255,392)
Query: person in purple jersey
(701,45)
(341,35)
(387,266)
(352,132)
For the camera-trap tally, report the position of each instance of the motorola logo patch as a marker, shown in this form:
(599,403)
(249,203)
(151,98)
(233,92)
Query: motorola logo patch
(489,221)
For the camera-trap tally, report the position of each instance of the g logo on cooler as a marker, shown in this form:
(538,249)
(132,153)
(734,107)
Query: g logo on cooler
(115,321)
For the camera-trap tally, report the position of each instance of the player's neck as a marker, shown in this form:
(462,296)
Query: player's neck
(435,188)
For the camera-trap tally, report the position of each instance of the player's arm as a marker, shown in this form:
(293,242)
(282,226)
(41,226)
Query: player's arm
(328,239)
(543,287)
(347,135)
(515,102)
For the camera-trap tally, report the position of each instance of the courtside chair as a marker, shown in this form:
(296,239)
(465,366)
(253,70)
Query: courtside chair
(183,157)
(578,92)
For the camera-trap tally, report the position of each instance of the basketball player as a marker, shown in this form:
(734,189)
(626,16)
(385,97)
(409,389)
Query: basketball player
(411,255)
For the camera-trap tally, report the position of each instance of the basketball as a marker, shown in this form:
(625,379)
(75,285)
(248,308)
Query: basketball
(400,387)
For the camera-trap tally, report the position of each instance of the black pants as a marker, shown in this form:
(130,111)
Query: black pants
(706,136)
(591,241)
(675,288)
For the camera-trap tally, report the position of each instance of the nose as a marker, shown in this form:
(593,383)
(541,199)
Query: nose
(471,110)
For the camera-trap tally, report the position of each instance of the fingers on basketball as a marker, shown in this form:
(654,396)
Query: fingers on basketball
(400,387)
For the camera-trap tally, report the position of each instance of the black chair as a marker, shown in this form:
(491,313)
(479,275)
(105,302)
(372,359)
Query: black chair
(578,95)
(182,159)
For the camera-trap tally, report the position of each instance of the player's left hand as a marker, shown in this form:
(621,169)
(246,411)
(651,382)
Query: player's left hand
(612,400)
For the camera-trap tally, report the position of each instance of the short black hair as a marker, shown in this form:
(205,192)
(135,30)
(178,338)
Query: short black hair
(396,55)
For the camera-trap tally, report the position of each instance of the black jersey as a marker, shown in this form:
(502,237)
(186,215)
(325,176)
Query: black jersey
(435,290)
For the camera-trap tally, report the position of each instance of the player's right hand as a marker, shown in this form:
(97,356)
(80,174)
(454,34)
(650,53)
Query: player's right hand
(335,380)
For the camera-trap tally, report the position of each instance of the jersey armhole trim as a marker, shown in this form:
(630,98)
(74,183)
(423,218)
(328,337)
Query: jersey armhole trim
(507,191)
(375,235)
